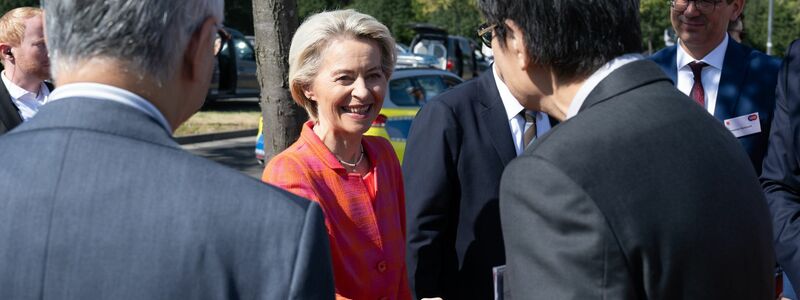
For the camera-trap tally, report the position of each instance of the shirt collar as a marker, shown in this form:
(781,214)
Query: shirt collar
(715,58)
(111,93)
(17,92)
(510,103)
(595,78)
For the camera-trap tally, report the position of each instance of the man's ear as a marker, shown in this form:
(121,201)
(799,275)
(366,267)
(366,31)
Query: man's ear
(738,9)
(515,41)
(200,44)
(5,52)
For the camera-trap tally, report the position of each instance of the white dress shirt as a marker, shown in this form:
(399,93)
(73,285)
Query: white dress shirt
(27,102)
(110,93)
(594,80)
(516,122)
(710,75)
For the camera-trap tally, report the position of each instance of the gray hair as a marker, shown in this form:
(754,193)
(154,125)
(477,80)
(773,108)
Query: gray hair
(148,35)
(316,33)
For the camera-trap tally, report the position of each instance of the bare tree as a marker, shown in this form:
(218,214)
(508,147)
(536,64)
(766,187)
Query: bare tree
(275,21)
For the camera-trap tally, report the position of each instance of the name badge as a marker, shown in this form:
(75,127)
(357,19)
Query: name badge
(744,125)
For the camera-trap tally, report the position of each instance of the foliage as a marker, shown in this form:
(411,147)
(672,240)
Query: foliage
(395,14)
(654,16)
(785,24)
(7,5)
(458,17)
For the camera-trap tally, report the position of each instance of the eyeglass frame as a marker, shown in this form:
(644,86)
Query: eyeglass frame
(713,6)
(485,33)
(221,37)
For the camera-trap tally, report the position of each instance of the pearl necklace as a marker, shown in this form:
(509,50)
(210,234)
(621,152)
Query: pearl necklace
(352,165)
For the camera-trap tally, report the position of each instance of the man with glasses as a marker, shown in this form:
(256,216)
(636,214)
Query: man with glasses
(457,147)
(638,193)
(734,83)
(99,202)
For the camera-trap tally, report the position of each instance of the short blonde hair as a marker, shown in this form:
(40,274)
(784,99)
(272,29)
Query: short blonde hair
(314,36)
(12,24)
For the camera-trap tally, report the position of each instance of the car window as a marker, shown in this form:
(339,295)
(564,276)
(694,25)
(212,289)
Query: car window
(243,50)
(431,85)
(450,81)
(402,92)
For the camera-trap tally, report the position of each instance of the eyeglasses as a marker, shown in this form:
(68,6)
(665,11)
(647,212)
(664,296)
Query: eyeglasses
(485,33)
(704,6)
(220,39)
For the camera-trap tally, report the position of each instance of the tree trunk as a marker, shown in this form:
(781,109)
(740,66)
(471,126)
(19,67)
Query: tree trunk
(274,22)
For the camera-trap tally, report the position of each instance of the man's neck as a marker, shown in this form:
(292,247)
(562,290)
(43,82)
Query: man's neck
(28,83)
(699,51)
(557,104)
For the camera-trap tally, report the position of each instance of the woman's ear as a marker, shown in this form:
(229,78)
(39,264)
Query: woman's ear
(309,93)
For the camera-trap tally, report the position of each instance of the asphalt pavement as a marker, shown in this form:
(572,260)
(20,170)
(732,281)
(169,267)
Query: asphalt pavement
(236,153)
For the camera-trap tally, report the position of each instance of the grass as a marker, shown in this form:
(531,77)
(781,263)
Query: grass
(221,117)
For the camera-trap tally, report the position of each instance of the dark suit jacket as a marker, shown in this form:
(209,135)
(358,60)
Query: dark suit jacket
(746,85)
(9,114)
(457,148)
(642,195)
(781,176)
(100,203)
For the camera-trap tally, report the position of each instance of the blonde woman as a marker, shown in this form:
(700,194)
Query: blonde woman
(339,66)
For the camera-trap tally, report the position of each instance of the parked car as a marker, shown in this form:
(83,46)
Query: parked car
(408,90)
(406,59)
(456,54)
(235,73)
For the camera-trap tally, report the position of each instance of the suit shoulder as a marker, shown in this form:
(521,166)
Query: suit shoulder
(664,55)
(231,184)
(459,95)
(761,60)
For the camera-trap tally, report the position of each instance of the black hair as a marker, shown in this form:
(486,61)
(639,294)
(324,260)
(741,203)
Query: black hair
(574,37)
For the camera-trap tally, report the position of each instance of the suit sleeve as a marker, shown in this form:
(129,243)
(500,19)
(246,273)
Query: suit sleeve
(558,245)
(313,274)
(432,193)
(779,177)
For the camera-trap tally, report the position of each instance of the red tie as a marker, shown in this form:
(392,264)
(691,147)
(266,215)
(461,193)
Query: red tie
(698,94)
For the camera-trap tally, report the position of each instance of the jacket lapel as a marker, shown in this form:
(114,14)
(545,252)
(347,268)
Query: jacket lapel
(9,114)
(733,73)
(626,78)
(495,119)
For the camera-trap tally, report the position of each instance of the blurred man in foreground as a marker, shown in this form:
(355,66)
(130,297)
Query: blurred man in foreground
(625,199)
(26,66)
(781,168)
(100,203)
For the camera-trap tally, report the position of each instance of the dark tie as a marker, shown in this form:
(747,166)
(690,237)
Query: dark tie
(698,94)
(530,131)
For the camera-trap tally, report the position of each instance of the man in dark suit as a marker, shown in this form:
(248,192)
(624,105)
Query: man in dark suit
(639,193)
(736,82)
(457,148)
(98,200)
(780,177)
(26,66)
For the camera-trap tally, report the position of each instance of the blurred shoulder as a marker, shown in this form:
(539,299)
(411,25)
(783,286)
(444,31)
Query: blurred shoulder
(467,93)
(664,55)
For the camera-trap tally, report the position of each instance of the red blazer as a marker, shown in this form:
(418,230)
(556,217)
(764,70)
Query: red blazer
(367,233)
